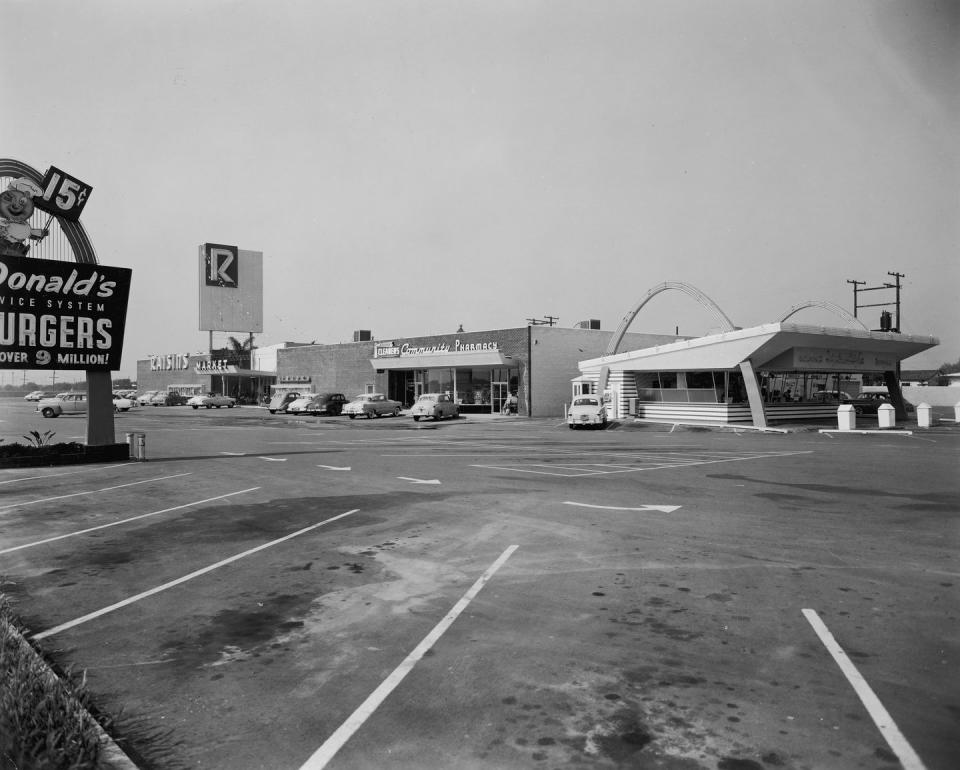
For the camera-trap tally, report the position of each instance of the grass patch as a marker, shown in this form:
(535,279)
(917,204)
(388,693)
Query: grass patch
(44,722)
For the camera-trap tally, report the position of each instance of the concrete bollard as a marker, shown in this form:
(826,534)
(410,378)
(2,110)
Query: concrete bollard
(924,416)
(846,417)
(886,416)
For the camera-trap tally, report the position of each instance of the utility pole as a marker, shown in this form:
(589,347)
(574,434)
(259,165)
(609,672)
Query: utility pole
(898,276)
(885,321)
(855,284)
(548,320)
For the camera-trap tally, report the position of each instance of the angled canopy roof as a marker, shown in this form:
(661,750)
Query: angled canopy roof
(775,346)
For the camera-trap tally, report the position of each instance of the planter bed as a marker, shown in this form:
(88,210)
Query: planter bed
(20,456)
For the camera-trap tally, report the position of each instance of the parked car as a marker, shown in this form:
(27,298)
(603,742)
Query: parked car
(144,398)
(860,405)
(297,405)
(36,395)
(63,403)
(122,403)
(587,411)
(327,403)
(372,405)
(435,405)
(281,401)
(212,400)
(175,399)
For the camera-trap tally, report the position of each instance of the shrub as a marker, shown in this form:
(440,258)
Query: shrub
(44,723)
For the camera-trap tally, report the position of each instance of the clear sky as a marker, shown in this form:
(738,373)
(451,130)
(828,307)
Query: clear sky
(407,167)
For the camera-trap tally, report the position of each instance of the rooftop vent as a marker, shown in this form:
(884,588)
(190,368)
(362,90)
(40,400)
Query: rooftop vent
(362,335)
(593,323)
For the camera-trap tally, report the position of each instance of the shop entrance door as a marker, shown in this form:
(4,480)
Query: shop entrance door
(498,396)
(419,375)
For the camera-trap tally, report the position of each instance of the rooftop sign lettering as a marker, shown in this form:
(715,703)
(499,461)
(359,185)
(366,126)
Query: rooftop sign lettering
(392,350)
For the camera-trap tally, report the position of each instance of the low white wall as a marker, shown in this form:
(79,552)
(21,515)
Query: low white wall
(934,395)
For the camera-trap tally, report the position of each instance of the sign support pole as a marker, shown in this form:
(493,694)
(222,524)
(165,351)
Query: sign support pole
(100,429)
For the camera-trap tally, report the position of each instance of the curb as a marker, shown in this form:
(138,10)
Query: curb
(112,757)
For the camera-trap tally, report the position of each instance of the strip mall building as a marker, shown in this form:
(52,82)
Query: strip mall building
(480,369)
(756,375)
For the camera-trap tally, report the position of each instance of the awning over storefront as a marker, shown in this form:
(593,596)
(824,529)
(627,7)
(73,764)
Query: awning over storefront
(443,360)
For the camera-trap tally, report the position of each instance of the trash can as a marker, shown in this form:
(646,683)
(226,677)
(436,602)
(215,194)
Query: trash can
(846,417)
(138,446)
(886,416)
(924,416)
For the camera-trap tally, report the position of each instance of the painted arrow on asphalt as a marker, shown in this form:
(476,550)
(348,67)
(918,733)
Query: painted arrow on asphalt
(661,508)
(419,481)
(333,468)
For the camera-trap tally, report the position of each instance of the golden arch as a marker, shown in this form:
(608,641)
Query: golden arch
(833,308)
(687,289)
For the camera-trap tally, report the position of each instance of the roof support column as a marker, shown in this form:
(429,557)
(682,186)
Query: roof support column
(892,381)
(753,395)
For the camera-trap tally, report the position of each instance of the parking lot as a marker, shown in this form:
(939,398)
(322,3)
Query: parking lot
(270,592)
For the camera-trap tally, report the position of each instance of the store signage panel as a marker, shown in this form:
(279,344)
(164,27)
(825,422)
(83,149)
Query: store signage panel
(231,289)
(63,195)
(392,350)
(821,359)
(170,362)
(216,366)
(61,315)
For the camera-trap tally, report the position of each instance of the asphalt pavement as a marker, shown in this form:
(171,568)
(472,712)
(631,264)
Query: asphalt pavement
(271,592)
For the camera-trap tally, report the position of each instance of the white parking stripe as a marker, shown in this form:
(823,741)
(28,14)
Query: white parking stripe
(884,722)
(184,579)
(54,475)
(124,521)
(335,742)
(90,492)
(531,467)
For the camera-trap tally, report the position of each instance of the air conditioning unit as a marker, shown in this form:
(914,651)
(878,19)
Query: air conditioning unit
(593,323)
(362,335)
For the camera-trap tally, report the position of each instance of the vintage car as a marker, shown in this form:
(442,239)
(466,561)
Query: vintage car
(212,400)
(298,405)
(371,405)
(281,401)
(122,403)
(587,411)
(860,405)
(63,403)
(36,395)
(144,398)
(322,403)
(435,405)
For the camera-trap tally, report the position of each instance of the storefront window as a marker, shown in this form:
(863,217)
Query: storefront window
(440,380)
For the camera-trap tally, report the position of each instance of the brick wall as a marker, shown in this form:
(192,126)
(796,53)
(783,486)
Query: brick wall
(556,353)
(342,368)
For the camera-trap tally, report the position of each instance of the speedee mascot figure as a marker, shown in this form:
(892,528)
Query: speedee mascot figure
(16,206)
